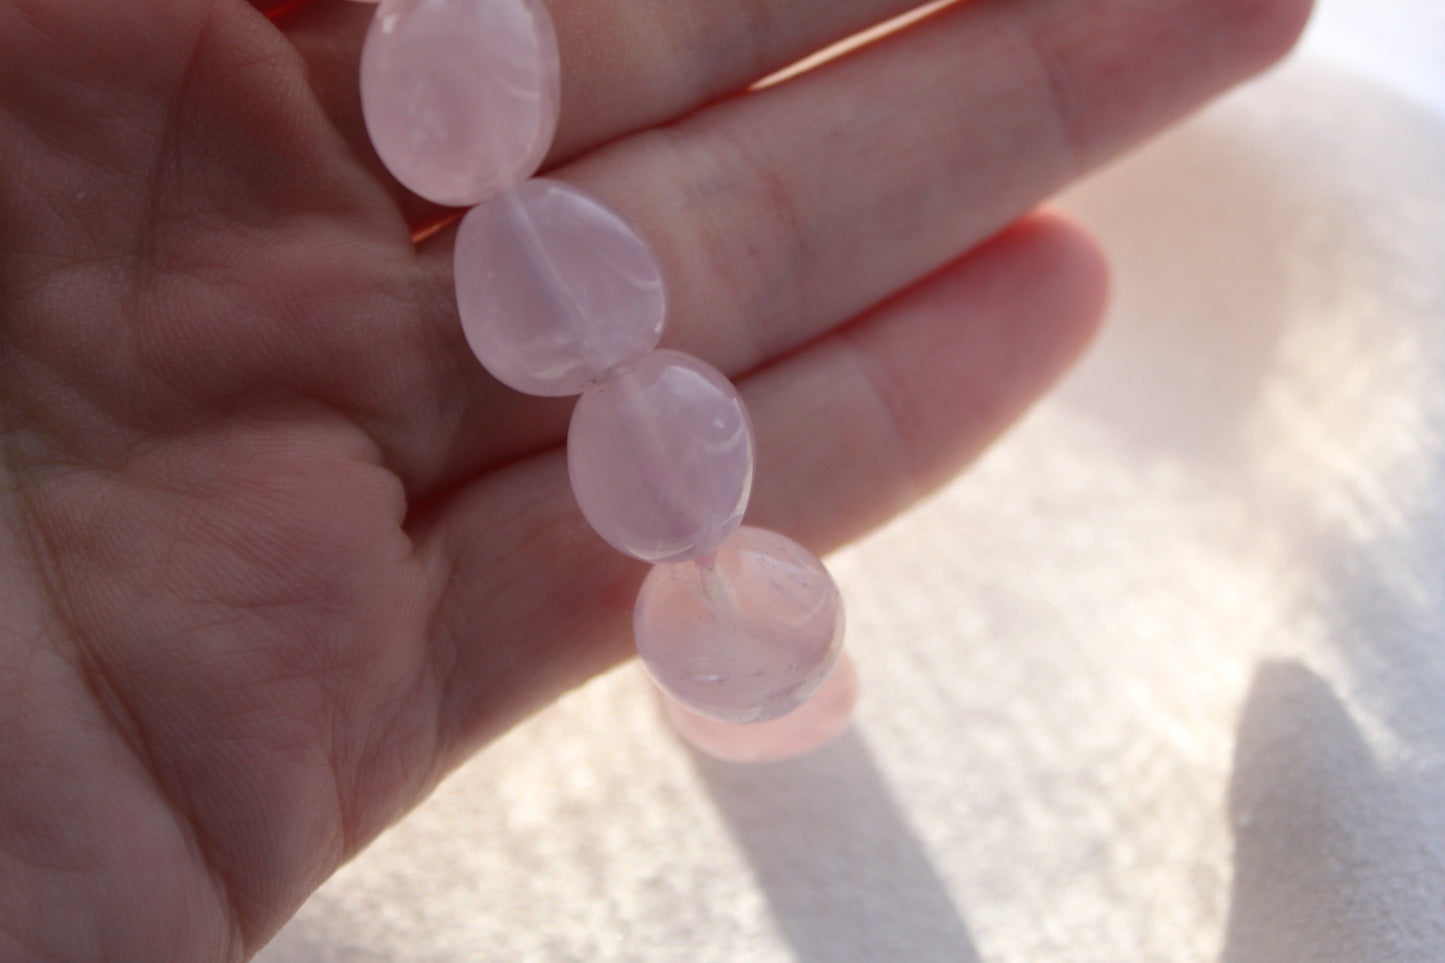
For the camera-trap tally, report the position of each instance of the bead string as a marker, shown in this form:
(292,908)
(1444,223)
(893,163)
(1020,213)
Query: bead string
(559,295)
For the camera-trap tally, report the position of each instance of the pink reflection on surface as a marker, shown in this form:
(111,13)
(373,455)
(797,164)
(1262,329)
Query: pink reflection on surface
(811,726)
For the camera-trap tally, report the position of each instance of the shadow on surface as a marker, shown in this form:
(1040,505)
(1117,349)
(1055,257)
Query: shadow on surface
(1224,244)
(1330,865)
(847,880)
(1194,329)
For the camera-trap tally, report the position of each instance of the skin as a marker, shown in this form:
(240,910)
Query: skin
(276,554)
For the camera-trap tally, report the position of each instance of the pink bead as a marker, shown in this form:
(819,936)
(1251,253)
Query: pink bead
(661,458)
(811,726)
(555,290)
(747,638)
(460,96)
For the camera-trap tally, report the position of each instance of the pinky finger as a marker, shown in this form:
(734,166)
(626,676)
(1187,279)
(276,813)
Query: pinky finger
(885,410)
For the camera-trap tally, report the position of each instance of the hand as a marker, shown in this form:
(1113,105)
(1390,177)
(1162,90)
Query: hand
(277,553)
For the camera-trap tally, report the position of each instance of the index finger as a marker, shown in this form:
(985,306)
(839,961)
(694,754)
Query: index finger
(626,64)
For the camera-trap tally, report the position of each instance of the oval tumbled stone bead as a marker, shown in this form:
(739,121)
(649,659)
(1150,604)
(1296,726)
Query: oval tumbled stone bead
(747,636)
(460,96)
(661,458)
(555,290)
(809,727)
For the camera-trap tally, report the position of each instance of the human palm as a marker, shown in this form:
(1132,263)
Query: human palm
(278,553)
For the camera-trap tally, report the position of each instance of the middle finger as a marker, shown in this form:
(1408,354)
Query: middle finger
(784,213)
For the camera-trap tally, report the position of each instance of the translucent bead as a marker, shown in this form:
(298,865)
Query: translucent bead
(555,289)
(748,636)
(661,458)
(460,96)
(811,726)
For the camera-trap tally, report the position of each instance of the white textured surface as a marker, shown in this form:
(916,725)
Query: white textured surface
(1162,679)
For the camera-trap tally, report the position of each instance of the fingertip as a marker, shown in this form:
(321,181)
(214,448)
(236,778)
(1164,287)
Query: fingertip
(1267,30)
(1050,276)
(1078,265)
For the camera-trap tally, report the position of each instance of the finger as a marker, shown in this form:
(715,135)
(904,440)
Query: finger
(627,64)
(276,9)
(779,214)
(850,431)
(929,379)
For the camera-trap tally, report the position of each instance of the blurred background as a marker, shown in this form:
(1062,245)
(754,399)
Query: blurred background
(1161,679)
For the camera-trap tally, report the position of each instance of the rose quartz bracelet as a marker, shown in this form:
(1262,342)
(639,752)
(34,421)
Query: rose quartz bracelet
(739,627)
